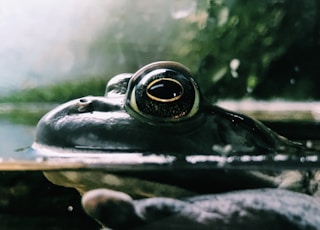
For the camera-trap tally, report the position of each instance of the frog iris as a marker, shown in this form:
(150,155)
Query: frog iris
(165,93)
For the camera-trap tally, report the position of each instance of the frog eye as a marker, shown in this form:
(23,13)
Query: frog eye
(162,91)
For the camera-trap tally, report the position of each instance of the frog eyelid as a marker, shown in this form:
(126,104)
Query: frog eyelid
(117,85)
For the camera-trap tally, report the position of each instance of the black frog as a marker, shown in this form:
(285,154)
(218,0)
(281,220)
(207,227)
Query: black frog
(160,111)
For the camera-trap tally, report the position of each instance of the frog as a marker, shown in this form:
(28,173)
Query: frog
(247,209)
(160,111)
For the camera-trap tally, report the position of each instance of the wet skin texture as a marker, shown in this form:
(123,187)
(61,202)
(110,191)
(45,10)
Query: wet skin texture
(251,209)
(160,110)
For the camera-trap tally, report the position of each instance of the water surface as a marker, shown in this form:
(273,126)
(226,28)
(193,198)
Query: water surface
(13,138)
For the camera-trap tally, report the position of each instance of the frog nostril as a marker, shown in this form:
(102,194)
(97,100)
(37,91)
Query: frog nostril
(83,100)
(84,105)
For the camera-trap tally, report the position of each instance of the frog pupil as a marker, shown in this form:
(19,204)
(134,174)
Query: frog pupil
(164,90)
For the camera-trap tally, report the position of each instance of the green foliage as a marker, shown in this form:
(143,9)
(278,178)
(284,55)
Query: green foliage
(60,92)
(256,34)
(23,111)
(23,116)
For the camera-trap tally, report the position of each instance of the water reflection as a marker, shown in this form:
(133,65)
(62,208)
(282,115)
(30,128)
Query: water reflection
(13,138)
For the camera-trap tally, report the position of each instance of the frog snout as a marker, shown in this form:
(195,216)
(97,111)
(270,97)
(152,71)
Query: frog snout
(90,104)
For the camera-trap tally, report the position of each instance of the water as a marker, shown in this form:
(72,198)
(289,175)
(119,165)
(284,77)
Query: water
(13,138)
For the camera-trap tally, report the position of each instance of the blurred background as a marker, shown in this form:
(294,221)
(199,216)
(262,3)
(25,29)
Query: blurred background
(264,49)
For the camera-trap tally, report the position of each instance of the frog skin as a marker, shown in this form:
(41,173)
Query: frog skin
(250,209)
(160,110)
(175,120)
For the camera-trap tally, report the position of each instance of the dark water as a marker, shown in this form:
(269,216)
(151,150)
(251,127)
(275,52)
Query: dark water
(27,199)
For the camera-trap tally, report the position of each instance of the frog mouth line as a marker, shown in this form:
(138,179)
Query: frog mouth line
(122,160)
